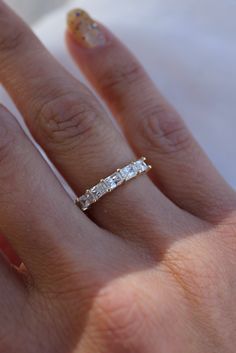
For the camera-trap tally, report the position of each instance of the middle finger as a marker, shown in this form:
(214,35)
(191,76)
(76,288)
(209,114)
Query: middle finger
(72,127)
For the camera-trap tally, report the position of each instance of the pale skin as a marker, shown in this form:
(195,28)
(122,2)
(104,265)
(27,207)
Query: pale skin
(151,267)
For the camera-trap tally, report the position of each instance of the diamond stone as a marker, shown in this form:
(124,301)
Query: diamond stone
(113,181)
(94,25)
(128,172)
(86,200)
(141,165)
(99,190)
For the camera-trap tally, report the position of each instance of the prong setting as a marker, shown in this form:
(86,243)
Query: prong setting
(112,182)
(85,201)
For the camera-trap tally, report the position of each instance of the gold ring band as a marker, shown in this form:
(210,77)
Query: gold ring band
(112,182)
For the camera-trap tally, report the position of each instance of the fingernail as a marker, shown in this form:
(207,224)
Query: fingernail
(85,30)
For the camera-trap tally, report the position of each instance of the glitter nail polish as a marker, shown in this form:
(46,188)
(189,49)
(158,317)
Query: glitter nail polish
(85,30)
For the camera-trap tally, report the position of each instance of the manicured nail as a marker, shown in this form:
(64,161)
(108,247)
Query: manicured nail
(85,30)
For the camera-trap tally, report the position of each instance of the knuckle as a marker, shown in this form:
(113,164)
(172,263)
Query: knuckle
(118,75)
(118,317)
(65,119)
(164,130)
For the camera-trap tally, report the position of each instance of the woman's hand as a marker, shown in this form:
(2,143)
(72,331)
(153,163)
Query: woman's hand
(151,267)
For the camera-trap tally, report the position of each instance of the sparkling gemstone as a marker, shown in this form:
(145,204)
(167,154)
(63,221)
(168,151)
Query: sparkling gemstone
(99,190)
(113,181)
(129,172)
(141,165)
(86,200)
(94,25)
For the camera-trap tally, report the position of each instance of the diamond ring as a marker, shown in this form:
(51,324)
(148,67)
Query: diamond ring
(112,182)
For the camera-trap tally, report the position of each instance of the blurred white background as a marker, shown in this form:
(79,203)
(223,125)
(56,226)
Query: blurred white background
(31,10)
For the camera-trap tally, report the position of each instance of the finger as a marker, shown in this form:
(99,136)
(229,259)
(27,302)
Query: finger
(151,125)
(69,123)
(57,243)
(37,217)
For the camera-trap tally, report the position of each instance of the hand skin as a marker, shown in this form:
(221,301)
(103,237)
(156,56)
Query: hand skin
(151,267)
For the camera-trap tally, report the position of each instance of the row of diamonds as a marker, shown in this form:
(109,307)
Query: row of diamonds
(112,182)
